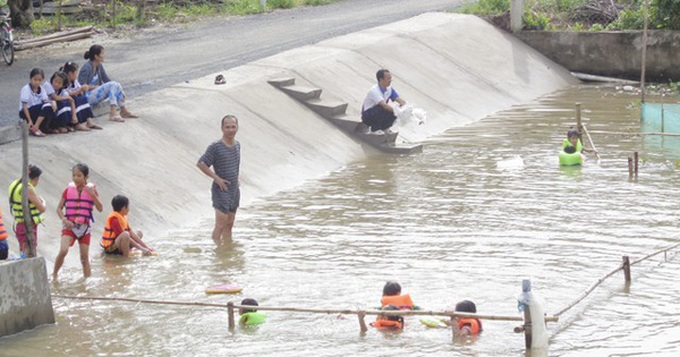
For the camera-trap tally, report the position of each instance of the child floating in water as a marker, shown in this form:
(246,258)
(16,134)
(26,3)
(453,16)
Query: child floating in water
(389,322)
(250,317)
(118,237)
(392,296)
(466,325)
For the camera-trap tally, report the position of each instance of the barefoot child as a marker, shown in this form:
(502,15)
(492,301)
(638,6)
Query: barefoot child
(34,105)
(79,198)
(65,117)
(118,236)
(35,204)
(78,92)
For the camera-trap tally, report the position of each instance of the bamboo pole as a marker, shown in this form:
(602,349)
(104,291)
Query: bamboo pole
(25,206)
(592,144)
(72,37)
(655,253)
(636,156)
(633,134)
(588,291)
(296,309)
(57,35)
(579,123)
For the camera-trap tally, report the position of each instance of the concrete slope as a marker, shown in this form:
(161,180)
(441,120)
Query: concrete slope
(457,67)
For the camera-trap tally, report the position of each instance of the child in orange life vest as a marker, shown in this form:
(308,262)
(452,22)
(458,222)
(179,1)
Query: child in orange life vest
(118,236)
(79,198)
(392,296)
(466,325)
(389,322)
(4,249)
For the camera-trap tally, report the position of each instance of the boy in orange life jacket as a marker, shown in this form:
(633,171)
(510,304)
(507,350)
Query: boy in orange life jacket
(118,236)
(392,296)
(466,325)
(389,322)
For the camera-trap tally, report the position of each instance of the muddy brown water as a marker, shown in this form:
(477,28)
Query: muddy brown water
(482,207)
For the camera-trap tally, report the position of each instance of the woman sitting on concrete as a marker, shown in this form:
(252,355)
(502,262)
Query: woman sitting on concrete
(101,87)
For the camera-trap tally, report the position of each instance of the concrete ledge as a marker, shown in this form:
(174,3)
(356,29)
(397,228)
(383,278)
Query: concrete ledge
(612,54)
(9,134)
(25,294)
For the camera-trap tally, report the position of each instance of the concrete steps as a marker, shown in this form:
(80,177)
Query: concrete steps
(335,112)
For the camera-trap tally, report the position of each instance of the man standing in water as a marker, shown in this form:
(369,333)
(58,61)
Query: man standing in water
(375,112)
(225,156)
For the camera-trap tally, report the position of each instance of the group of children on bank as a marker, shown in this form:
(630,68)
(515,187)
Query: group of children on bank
(392,300)
(64,103)
(75,208)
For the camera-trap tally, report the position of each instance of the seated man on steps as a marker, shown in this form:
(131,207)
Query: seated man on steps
(375,112)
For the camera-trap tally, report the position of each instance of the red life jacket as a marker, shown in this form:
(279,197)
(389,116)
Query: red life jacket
(474,325)
(78,207)
(403,302)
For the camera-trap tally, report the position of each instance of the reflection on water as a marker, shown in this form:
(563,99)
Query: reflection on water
(462,220)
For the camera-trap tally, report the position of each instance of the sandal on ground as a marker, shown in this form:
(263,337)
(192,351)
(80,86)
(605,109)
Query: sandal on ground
(117,119)
(38,133)
(220,79)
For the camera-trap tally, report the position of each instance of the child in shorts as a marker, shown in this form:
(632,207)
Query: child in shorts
(79,199)
(118,237)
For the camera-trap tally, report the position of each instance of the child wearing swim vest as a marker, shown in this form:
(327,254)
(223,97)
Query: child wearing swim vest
(466,325)
(75,210)
(4,249)
(118,236)
(392,296)
(36,207)
(250,317)
(389,322)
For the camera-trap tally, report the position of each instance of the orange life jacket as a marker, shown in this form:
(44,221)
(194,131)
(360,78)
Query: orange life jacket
(78,206)
(109,235)
(3,230)
(387,324)
(474,325)
(403,302)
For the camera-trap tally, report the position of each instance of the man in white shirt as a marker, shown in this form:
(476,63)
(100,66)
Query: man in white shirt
(375,112)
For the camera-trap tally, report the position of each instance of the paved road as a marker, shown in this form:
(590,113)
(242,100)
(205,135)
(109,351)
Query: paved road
(158,58)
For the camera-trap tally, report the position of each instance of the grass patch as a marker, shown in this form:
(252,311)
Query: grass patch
(126,13)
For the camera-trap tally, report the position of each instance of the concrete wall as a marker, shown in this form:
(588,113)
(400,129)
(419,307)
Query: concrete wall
(612,54)
(25,301)
(457,67)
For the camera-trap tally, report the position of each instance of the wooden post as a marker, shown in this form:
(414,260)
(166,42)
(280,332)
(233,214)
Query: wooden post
(230,311)
(644,51)
(516,14)
(630,167)
(579,123)
(636,163)
(263,3)
(526,287)
(28,218)
(663,121)
(626,268)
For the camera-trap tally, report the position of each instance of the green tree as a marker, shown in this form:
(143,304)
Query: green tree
(21,12)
